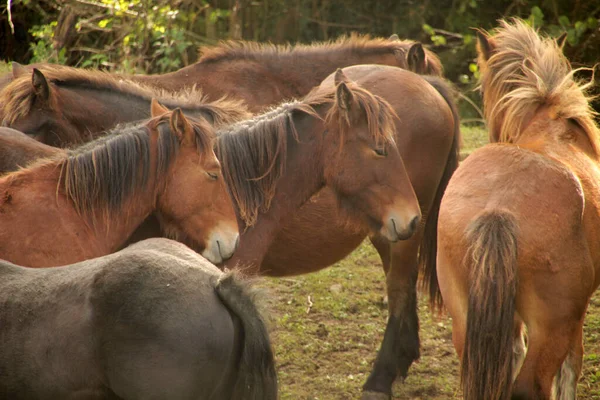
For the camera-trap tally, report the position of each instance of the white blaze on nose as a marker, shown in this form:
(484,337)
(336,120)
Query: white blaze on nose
(221,244)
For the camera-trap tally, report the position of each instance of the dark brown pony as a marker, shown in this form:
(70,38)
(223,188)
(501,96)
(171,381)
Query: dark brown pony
(428,138)
(87,202)
(62,106)
(266,74)
(519,255)
(341,138)
(153,321)
(18,149)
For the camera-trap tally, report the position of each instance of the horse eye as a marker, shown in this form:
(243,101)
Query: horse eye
(381,151)
(212,175)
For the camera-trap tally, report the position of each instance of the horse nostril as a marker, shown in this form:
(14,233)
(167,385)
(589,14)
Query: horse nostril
(219,248)
(414,224)
(237,243)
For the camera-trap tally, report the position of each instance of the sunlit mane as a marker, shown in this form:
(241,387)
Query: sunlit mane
(253,153)
(17,98)
(100,176)
(350,44)
(526,71)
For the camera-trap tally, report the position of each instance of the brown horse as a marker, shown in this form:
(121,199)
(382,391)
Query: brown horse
(519,255)
(18,149)
(87,202)
(341,138)
(264,74)
(153,321)
(428,138)
(62,106)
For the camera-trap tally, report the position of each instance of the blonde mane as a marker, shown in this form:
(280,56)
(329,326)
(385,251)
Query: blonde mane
(17,98)
(525,71)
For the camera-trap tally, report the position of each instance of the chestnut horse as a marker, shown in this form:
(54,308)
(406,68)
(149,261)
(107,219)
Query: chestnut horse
(92,198)
(519,255)
(152,321)
(264,74)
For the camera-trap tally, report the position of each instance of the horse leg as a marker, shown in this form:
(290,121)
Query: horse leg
(400,345)
(383,247)
(565,381)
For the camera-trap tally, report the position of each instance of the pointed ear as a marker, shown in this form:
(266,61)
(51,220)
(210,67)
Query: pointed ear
(157,109)
(415,58)
(40,84)
(484,44)
(562,40)
(340,77)
(343,96)
(18,70)
(181,126)
(393,37)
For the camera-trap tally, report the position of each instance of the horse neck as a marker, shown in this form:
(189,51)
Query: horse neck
(105,108)
(88,234)
(303,177)
(294,73)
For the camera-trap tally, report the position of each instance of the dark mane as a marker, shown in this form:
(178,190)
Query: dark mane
(253,153)
(17,98)
(363,44)
(102,175)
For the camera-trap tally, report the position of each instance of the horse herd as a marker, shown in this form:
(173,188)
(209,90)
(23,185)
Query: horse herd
(97,167)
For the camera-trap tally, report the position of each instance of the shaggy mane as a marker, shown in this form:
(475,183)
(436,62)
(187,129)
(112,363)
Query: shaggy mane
(253,153)
(526,71)
(232,49)
(17,98)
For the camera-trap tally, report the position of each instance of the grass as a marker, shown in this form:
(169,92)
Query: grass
(326,350)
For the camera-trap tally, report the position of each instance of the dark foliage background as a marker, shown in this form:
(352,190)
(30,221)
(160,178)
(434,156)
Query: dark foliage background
(163,35)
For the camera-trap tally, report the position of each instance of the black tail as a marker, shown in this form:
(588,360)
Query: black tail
(487,359)
(428,249)
(256,379)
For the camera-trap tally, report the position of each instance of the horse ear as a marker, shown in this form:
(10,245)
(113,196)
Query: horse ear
(157,109)
(394,37)
(415,58)
(18,70)
(40,84)
(343,96)
(340,77)
(562,40)
(484,45)
(181,126)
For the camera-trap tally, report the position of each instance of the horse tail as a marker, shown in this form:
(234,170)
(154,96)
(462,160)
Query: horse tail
(487,359)
(256,378)
(428,249)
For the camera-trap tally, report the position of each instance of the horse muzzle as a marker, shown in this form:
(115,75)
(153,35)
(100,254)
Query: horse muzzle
(221,245)
(400,227)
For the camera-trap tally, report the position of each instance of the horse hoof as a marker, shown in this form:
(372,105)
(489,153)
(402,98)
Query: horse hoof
(375,396)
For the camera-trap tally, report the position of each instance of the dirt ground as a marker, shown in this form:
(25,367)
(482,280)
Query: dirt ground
(327,328)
